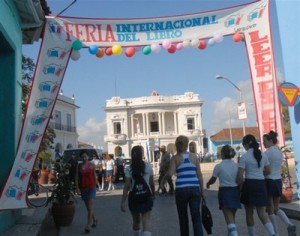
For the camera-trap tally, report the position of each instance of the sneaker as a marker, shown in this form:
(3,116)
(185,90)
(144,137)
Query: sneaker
(109,188)
(291,230)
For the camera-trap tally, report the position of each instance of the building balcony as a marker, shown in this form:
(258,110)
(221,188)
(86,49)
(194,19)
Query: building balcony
(115,138)
(62,127)
(193,132)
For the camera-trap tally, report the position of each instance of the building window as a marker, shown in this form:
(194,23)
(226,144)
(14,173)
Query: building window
(154,126)
(57,118)
(117,128)
(190,123)
(69,122)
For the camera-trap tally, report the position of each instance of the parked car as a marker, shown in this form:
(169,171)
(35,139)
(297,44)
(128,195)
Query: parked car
(67,154)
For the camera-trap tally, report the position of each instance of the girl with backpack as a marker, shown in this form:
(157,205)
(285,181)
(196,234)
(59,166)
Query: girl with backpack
(138,178)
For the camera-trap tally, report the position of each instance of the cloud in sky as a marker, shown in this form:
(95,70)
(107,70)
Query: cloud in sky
(92,132)
(226,110)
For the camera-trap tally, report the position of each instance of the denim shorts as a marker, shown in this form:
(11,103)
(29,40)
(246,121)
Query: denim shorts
(108,173)
(88,193)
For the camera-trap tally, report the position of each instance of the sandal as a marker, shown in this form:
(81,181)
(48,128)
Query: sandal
(87,229)
(94,225)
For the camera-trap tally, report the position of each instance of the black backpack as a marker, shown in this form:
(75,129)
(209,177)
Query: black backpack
(141,191)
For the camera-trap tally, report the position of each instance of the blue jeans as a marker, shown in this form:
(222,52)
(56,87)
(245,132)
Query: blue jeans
(189,196)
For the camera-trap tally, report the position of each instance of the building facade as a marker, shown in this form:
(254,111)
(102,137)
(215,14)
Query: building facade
(152,121)
(64,122)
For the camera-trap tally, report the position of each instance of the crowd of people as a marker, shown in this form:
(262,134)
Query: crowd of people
(254,182)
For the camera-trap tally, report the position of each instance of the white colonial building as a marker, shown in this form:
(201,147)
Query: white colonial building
(152,121)
(63,122)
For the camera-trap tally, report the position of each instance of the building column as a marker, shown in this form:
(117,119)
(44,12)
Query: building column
(163,124)
(147,124)
(144,124)
(197,122)
(159,123)
(132,127)
(175,122)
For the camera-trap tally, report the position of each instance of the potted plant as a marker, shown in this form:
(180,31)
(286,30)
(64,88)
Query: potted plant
(62,197)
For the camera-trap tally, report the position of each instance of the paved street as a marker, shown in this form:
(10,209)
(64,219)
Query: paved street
(164,216)
(116,223)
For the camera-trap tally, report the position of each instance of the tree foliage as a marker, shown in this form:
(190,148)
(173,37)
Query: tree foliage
(286,119)
(27,74)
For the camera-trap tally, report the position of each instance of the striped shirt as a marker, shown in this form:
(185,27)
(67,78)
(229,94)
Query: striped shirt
(186,173)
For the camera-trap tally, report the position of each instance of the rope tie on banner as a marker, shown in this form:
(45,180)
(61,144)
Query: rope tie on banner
(66,8)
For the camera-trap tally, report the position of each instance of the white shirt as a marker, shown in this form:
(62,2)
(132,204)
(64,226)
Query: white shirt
(97,163)
(148,173)
(226,171)
(110,164)
(249,163)
(275,157)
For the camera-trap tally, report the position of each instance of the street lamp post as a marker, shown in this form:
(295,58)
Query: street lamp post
(241,99)
(230,128)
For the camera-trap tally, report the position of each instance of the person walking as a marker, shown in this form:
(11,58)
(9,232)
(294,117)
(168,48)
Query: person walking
(110,171)
(229,192)
(274,182)
(254,165)
(164,166)
(189,186)
(97,164)
(86,181)
(104,161)
(140,211)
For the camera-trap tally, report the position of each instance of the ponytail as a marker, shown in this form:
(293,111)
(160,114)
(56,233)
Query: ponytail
(251,141)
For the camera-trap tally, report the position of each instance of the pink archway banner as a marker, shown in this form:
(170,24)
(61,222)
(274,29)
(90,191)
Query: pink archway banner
(252,20)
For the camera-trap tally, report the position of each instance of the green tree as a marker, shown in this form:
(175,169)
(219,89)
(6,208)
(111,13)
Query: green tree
(28,67)
(286,119)
(27,73)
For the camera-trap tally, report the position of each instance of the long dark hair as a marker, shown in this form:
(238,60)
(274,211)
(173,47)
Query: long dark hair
(137,164)
(251,141)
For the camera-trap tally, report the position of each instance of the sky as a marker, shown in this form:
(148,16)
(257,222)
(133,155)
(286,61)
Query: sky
(94,80)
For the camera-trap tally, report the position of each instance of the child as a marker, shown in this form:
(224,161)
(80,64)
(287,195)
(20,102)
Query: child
(229,193)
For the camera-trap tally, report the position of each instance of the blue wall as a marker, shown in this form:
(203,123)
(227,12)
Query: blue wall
(288,24)
(10,96)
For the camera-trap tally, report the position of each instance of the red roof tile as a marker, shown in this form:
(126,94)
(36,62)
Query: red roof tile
(237,134)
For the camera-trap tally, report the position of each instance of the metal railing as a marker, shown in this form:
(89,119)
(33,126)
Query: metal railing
(58,126)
